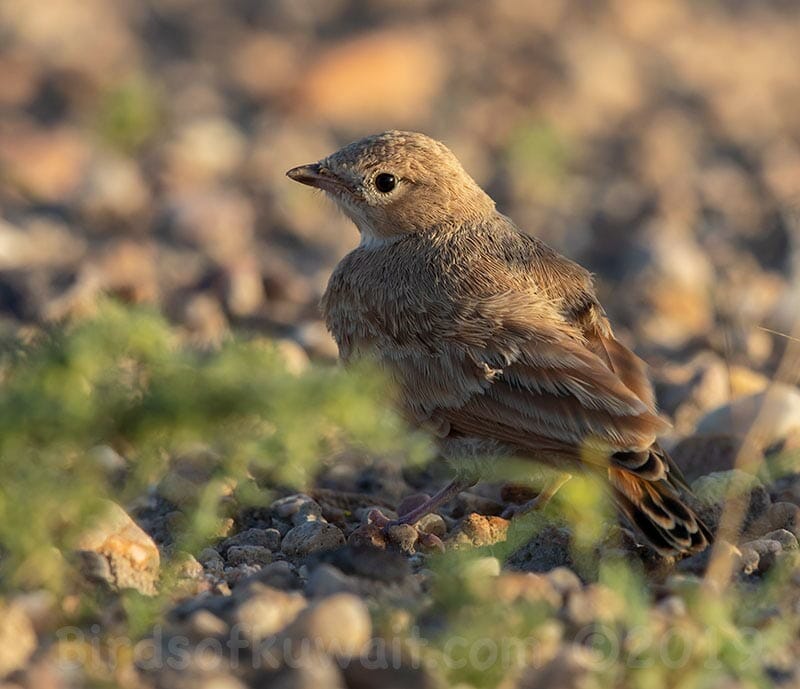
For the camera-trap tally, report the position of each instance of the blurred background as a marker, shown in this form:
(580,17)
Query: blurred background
(143,146)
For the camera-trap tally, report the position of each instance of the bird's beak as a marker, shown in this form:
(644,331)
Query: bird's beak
(314,175)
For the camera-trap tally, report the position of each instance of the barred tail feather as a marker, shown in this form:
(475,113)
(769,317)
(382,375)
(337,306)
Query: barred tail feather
(656,509)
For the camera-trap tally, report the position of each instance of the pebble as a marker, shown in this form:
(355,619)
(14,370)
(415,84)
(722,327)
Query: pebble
(699,455)
(787,488)
(299,508)
(327,580)
(404,536)
(593,603)
(368,536)
(776,411)
(339,625)
(263,610)
(714,489)
(266,538)
(477,530)
(749,560)
(549,549)
(779,515)
(242,572)
(768,551)
(203,623)
(187,566)
(118,552)
(311,537)
(786,538)
(211,560)
(529,586)
(362,514)
(432,524)
(17,638)
(571,668)
(248,555)
(564,580)
(279,575)
(311,670)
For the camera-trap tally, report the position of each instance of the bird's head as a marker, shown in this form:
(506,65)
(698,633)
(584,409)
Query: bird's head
(398,183)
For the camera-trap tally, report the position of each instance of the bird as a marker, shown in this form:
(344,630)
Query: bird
(496,343)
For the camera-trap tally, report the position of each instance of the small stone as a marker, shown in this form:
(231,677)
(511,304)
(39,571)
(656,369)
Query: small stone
(187,566)
(242,572)
(281,526)
(249,555)
(363,514)
(768,552)
(368,536)
(299,508)
(383,565)
(595,603)
(17,638)
(279,575)
(310,669)
(327,580)
(549,549)
(572,667)
(779,515)
(749,559)
(787,488)
(203,623)
(477,530)
(404,536)
(775,413)
(311,537)
(211,560)
(699,455)
(264,611)
(528,586)
(432,524)
(132,558)
(713,490)
(786,538)
(266,538)
(564,580)
(308,512)
(339,625)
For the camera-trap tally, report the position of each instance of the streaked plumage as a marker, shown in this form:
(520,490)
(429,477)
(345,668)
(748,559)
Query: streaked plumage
(495,341)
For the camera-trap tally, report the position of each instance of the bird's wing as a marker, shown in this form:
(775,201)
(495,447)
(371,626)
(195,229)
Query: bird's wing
(532,383)
(628,367)
(570,286)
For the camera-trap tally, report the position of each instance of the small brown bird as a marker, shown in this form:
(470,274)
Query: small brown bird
(496,342)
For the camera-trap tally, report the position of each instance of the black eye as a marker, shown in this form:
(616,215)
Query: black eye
(385,182)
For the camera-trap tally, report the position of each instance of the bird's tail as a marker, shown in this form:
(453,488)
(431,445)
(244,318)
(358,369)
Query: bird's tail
(657,510)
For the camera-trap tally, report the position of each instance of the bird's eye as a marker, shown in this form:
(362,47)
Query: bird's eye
(385,182)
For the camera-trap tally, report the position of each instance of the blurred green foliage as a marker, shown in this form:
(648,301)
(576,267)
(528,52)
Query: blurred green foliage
(123,380)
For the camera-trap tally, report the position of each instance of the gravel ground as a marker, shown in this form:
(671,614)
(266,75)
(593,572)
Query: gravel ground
(142,154)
